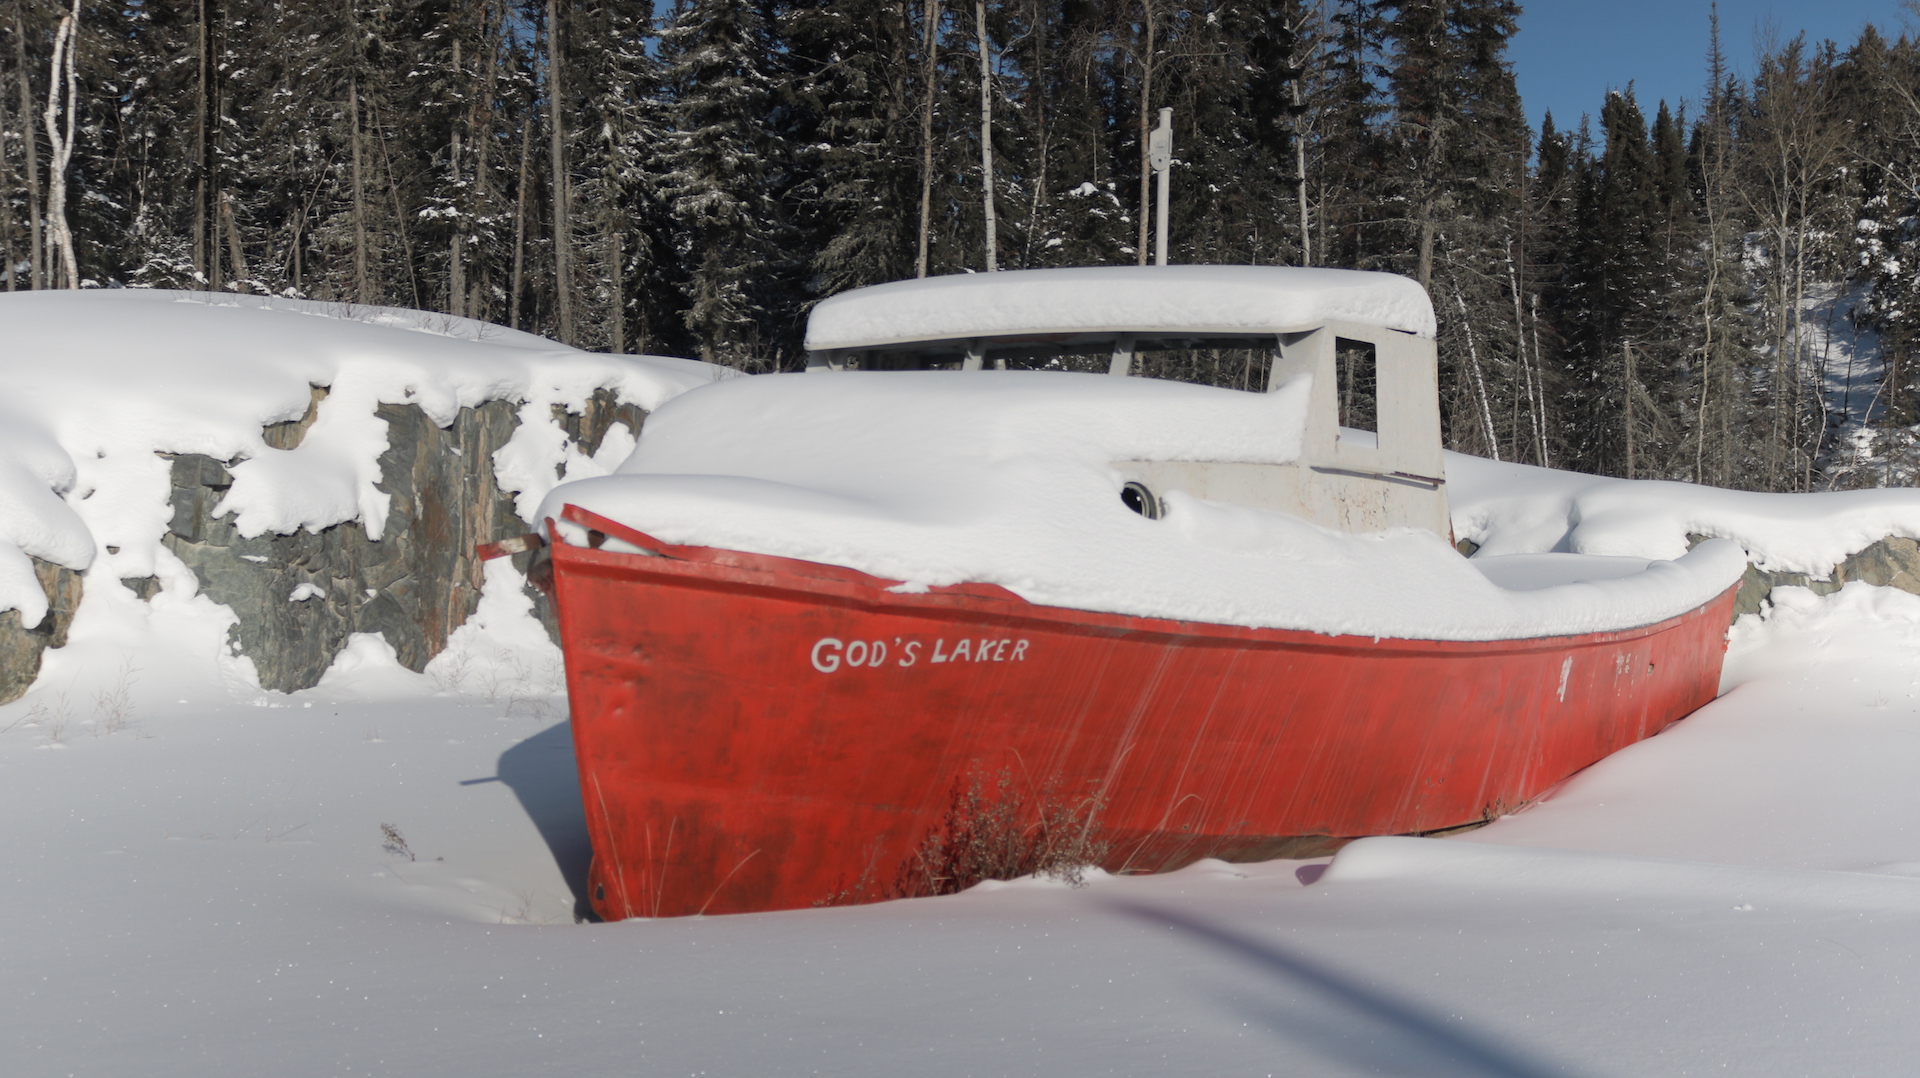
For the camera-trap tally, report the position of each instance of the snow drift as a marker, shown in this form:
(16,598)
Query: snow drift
(1521,509)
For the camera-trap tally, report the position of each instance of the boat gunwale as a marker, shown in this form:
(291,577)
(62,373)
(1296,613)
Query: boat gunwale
(727,569)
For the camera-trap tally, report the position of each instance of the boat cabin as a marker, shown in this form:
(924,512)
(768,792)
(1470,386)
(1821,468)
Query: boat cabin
(1370,451)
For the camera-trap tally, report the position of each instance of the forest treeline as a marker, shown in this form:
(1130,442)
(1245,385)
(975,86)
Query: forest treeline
(1637,294)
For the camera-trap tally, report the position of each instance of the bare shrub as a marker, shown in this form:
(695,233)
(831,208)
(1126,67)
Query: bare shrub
(394,842)
(113,704)
(1004,832)
(51,715)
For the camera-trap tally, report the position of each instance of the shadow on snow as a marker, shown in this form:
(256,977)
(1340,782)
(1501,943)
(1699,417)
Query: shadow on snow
(540,771)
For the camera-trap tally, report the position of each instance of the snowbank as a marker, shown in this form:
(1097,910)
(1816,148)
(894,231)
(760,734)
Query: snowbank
(210,890)
(100,382)
(1219,299)
(1521,509)
(939,477)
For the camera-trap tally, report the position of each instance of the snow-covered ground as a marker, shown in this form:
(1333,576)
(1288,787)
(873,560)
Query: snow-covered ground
(380,875)
(198,882)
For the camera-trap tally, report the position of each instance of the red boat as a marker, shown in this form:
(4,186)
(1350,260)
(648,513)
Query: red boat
(758,732)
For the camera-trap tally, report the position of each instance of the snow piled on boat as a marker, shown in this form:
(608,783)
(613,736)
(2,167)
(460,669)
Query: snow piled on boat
(1005,477)
(100,382)
(1510,509)
(1109,299)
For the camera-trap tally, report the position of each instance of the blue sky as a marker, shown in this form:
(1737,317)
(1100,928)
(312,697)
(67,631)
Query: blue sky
(1569,53)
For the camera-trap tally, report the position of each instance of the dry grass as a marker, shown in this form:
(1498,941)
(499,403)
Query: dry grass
(1004,831)
(113,704)
(394,843)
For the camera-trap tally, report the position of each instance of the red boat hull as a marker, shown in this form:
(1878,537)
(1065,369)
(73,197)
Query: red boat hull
(757,733)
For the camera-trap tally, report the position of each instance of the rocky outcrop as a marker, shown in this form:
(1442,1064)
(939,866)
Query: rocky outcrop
(1892,562)
(21,648)
(299,597)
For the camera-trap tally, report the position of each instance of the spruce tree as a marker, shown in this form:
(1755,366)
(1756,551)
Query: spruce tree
(719,156)
(857,160)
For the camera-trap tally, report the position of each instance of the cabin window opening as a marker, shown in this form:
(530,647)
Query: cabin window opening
(1053,360)
(902,359)
(1226,366)
(1357,369)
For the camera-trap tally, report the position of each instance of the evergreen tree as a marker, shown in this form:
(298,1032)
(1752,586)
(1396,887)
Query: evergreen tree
(858,182)
(719,158)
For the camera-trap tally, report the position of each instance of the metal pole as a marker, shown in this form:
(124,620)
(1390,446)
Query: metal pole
(1160,152)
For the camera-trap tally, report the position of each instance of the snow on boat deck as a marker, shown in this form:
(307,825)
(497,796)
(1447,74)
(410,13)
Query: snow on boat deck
(1004,477)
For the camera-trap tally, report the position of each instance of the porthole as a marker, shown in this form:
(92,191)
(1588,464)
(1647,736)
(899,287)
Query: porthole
(1137,497)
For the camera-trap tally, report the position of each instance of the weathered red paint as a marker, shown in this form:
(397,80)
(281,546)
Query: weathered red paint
(724,771)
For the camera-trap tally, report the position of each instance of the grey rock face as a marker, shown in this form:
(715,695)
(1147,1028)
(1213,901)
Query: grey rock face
(413,586)
(21,648)
(1892,562)
(298,597)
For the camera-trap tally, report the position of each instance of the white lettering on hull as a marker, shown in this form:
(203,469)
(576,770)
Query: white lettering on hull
(831,654)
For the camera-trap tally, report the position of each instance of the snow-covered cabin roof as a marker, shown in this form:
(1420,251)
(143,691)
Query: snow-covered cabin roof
(1202,300)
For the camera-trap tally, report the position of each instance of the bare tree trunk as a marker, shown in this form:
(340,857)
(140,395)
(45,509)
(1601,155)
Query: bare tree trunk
(930,41)
(362,289)
(213,108)
(30,143)
(1776,455)
(520,222)
(986,132)
(562,211)
(62,85)
(235,253)
(1520,350)
(1712,165)
(616,265)
(1706,318)
(457,249)
(1148,13)
(1533,300)
(482,178)
(1806,443)
(1424,270)
(1632,382)
(1479,379)
(200,105)
(400,218)
(1039,106)
(1300,176)
(8,180)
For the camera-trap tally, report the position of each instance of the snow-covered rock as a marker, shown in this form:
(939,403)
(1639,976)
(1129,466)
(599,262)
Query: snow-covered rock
(244,446)
(1819,540)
